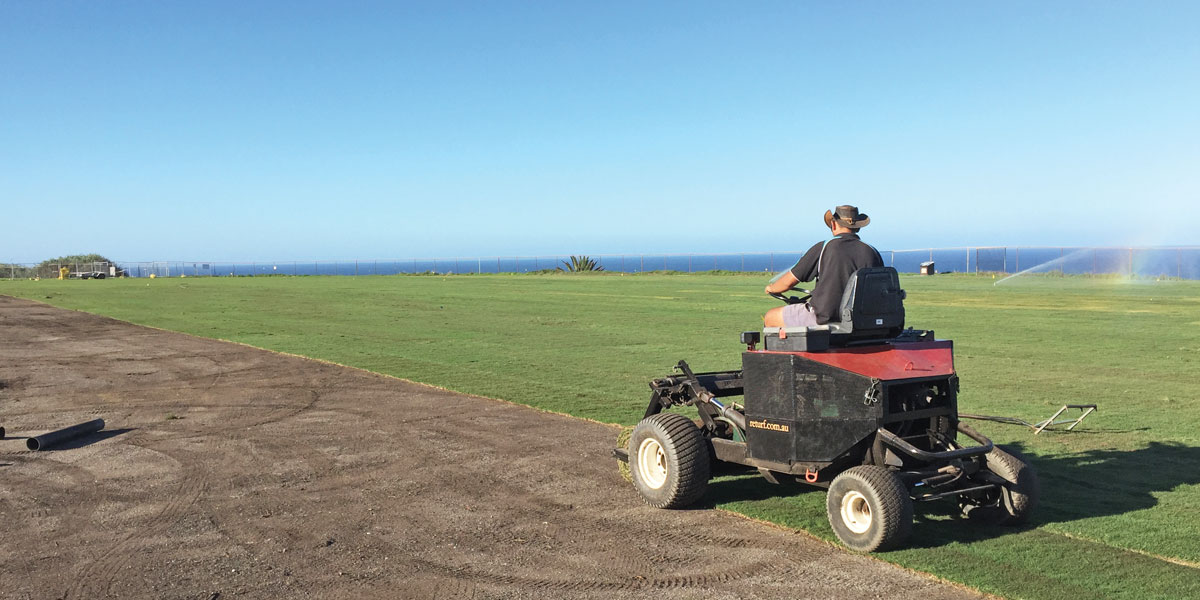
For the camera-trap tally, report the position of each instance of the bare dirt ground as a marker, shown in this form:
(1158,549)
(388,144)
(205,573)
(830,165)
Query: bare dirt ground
(226,471)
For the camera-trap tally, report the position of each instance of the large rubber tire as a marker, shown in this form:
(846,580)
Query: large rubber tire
(669,461)
(1016,500)
(869,509)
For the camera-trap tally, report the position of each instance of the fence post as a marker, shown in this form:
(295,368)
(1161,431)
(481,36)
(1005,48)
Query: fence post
(743,262)
(641,263)
(1017,269)
(1179,263)
(771,263)
(689,263)
(1131,263)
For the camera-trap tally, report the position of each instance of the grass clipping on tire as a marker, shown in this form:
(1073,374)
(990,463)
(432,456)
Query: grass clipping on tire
(623,442)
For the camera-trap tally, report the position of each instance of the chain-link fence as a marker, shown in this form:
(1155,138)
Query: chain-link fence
(61,270)
(1180,262)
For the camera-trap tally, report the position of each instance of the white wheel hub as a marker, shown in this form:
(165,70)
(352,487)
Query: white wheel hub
(856,513)
(652,463)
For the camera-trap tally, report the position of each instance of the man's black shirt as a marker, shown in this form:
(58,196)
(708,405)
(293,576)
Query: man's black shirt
(844,254)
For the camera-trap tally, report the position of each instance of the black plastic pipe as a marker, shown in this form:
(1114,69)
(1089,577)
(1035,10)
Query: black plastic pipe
(46,440)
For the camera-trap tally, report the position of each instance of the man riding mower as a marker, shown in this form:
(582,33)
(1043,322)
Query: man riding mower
(857,404)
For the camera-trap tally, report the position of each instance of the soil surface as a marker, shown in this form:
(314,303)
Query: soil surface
(226,471)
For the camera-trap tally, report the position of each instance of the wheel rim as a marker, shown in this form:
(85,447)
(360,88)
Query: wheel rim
(856,513)
(652,463)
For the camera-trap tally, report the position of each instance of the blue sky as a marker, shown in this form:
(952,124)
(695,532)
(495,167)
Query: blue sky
(304,130)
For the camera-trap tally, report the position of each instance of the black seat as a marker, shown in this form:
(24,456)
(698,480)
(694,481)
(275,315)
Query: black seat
(872,310)
(872,307)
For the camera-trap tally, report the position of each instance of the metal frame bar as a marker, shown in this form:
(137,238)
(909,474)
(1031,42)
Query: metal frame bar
(1051,421)
(897,443)
(1040,426)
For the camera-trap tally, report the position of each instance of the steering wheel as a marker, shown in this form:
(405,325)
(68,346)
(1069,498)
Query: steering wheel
(794,299)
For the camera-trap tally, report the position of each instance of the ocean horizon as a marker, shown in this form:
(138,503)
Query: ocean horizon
(1143,262)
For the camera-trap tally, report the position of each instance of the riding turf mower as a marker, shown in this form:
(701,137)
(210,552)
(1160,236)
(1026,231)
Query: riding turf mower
(862,407)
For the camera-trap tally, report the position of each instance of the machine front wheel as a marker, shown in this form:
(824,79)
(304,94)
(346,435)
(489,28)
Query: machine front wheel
(669,460)
(869,509)
(1014,502)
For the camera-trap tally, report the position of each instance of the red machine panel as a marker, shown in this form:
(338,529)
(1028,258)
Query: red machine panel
(890,361)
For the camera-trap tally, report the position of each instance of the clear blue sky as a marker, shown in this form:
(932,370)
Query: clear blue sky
(300,130)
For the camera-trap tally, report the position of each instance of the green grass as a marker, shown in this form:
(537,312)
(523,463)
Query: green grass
(1121,494)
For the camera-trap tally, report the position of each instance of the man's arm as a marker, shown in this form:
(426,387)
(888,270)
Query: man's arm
(804,270)
(783,284)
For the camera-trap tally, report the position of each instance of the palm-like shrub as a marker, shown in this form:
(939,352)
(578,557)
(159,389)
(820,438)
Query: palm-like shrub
(580,263)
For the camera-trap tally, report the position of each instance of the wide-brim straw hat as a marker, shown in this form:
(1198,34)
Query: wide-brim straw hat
(846,216)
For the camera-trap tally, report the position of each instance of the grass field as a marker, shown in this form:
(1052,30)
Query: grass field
(1121,494)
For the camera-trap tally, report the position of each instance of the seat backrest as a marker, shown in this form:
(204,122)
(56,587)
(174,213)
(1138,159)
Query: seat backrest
(872,305)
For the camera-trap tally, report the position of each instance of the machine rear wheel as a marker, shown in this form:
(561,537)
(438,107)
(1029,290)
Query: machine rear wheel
(669,460)
(1014,502)
(869,509)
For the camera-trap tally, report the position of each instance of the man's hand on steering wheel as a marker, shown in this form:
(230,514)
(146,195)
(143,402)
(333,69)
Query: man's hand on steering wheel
(792,299)
(786,282)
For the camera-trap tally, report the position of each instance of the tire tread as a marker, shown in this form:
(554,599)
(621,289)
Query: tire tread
(895,507)
(1025,492)
(679,436)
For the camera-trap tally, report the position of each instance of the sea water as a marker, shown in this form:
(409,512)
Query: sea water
(1142,262)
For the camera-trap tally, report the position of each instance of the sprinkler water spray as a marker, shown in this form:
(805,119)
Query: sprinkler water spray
(1046,266)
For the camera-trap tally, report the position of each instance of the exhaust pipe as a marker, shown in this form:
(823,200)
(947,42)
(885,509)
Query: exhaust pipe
(47,440)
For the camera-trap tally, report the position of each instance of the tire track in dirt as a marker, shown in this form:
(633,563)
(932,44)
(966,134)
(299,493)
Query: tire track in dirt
(95,578)
(195,481)
(636,583)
